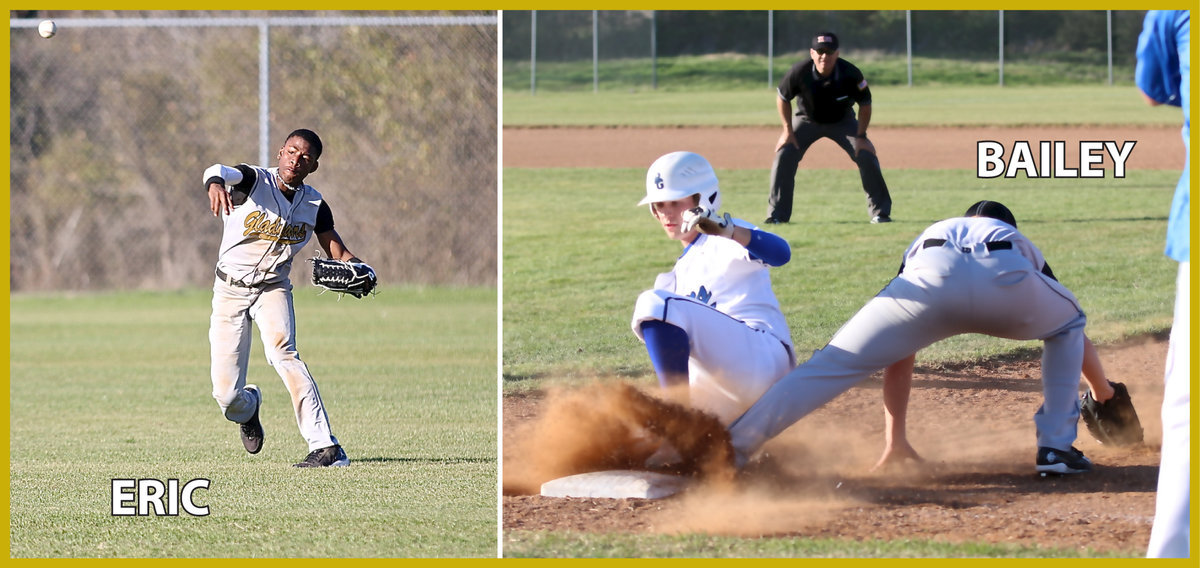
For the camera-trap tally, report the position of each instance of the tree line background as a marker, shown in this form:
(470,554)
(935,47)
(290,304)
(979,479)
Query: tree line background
(111,129)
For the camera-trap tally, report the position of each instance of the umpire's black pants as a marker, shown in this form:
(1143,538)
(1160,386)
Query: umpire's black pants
(787,160)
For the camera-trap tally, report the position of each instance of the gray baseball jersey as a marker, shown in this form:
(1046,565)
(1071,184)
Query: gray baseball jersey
(265,233)
(962,275)
(262,236)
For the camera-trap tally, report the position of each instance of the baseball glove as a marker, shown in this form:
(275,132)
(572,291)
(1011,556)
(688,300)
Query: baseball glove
(709,222)
(354,278)
(1114,421)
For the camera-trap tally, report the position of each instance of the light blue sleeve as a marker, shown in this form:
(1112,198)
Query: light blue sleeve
(1157,72)
(1163,72)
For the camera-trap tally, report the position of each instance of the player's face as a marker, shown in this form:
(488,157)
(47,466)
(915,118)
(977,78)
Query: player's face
(296,160)
(824,60)
(670,215)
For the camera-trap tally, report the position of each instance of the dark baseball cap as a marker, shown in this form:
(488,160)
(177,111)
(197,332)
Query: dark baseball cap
(825,40)
(993,209)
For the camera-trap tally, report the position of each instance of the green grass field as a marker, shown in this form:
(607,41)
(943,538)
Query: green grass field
(979,105)
(116,385)
(577,252)
(532,544)
(737,71)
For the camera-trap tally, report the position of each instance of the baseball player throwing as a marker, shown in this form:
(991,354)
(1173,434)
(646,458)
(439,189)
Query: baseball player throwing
(268,215)
(713,323)
(969,274)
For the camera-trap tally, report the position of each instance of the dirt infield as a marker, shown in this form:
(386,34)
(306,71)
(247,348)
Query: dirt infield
(753,147)
(973,425)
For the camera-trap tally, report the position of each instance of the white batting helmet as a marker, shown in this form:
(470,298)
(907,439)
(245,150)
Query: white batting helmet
(680,174)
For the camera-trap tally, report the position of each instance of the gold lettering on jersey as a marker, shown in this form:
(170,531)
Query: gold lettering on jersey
(259,225)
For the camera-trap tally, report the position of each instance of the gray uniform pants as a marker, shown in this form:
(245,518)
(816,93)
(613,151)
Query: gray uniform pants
(787,161)
(943,292)
(229,333)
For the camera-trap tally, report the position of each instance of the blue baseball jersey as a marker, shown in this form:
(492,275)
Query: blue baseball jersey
(1164,73)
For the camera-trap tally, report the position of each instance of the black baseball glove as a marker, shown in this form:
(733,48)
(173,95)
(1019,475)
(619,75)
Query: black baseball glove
(1114,421)
(354,278)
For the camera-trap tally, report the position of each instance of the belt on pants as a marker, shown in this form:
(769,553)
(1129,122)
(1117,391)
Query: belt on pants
(992,246)
(230,281)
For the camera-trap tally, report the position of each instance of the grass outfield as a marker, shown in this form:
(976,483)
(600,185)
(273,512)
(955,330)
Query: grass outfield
(530,544)
(577,252)
(115,385)
(893,106)
(733,71)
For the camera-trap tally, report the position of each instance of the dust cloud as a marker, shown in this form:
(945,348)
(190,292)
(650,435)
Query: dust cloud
(607,426)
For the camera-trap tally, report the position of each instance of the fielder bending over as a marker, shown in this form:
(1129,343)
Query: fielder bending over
(969,274)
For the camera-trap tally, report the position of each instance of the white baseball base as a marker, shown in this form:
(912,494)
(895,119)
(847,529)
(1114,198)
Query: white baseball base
(615,484)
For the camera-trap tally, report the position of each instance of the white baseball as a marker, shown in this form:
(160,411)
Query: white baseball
(47,29)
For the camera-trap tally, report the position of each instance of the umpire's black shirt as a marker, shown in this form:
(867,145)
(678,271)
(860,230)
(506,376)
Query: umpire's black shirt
(825,99)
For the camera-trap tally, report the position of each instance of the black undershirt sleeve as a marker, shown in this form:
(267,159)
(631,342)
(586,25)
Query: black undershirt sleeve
(324,219)
(237,193)
(1046,270)
(240,192)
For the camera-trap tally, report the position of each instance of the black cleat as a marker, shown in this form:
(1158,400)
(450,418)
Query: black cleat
(252,430)
(1050,460)
(880,219)
(332,456)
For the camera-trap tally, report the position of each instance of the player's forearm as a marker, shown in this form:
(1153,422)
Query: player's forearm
(767,247)
(339,251)
(897,383)
(1093,372)
(333,245)
(864,120)
(785,112)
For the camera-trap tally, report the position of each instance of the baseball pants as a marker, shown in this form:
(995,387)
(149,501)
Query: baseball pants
(730,364)
(787,161)
(1169,536)
(943,292)
(270,307)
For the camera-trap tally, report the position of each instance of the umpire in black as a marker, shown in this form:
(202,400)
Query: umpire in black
(827,87)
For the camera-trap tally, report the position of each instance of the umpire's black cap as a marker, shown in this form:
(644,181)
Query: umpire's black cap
(993,209)
(825,40)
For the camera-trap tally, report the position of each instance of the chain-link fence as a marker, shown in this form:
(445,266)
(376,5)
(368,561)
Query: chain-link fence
(584,50)
(114,120)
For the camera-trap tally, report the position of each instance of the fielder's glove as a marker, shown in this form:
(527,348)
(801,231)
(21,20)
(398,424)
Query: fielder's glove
(1113,422)
(354,278)
(709,222)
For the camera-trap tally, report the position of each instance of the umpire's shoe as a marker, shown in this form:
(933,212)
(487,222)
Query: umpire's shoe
(1051,460)
(252,430)
(333,456)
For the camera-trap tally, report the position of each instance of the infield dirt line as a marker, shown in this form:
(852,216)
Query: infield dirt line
(753,147)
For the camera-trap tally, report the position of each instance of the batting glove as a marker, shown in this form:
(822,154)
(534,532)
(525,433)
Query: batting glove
(708,221)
